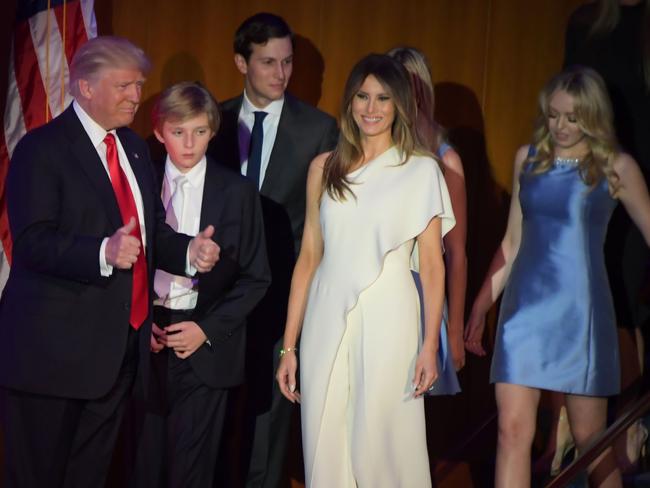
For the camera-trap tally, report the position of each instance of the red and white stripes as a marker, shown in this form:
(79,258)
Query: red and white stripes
(42,48)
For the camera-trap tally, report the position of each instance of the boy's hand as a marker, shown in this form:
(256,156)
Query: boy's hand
(185,338)
(158,338)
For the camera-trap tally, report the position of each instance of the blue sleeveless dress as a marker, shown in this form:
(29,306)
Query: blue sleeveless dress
(447,382)
(557,328)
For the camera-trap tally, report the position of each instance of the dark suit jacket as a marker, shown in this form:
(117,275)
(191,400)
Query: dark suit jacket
(303,133)
(63,326)
(229,292)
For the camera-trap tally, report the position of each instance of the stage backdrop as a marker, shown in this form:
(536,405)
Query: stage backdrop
(498,52)
(490,55)
(489,60)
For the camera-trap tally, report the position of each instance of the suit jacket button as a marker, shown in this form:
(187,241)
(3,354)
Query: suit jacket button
(127,305)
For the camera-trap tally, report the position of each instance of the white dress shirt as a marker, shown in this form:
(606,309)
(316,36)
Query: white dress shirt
(182,292)
(269,126)
(96,133)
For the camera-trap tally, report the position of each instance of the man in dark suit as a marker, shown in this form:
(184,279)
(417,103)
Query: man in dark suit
(271,137)
(199,331)
(87,224)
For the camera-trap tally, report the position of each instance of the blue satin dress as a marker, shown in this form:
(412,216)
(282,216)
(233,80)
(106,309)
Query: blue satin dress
(447,381)
(556,326)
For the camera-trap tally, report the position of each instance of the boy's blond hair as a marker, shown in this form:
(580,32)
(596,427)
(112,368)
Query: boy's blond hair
(184,101)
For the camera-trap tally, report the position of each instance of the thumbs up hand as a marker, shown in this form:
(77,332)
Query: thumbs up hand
(122,248)
(204,252)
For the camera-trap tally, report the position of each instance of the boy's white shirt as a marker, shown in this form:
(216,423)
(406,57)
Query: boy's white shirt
(183,292)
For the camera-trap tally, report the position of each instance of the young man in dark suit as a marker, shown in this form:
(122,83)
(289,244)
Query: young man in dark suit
(86,222)
(199,329)
(271,137)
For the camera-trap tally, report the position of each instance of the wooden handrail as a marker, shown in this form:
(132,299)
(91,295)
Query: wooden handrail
(606,439)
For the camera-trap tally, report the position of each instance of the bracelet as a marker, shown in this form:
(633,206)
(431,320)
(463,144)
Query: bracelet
(288,349)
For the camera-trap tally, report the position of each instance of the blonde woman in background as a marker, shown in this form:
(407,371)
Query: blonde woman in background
(432,136)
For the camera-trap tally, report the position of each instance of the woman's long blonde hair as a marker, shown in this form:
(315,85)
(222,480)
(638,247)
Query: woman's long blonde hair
(430,132)
(594,116)
(395,80)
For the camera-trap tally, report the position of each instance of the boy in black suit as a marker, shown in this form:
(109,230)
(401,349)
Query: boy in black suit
(198,335)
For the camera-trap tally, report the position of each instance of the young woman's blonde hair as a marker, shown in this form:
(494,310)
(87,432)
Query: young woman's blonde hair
(430,132)
(593,112)
(395,80)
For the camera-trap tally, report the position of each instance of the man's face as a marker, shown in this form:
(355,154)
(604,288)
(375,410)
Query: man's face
(267,71)
(111,98)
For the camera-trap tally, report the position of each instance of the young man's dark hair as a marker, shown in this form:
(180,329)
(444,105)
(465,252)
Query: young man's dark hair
(258,29)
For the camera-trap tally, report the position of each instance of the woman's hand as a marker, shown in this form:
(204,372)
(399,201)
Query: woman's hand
(426,371)
(286,376)
(474,333)
(457,347)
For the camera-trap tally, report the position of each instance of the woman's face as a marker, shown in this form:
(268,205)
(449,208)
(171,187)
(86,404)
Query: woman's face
(562,123)
(373,109)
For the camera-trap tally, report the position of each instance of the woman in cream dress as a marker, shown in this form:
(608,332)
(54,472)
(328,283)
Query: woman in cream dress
(377,207)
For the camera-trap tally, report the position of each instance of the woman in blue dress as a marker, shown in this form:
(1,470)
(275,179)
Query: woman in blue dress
(556,327)
(452,349)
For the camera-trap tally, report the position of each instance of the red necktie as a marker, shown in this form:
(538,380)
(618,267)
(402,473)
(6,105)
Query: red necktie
(126,202)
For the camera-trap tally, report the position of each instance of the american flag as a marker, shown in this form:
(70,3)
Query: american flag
(46,35)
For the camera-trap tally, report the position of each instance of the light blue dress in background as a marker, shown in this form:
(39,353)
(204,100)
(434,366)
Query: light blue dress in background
(447,382)
(557,328)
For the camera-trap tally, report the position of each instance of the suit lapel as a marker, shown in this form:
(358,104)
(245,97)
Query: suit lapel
(273,177)
(212,205)
(212,201)
(229,154)
(89,161)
